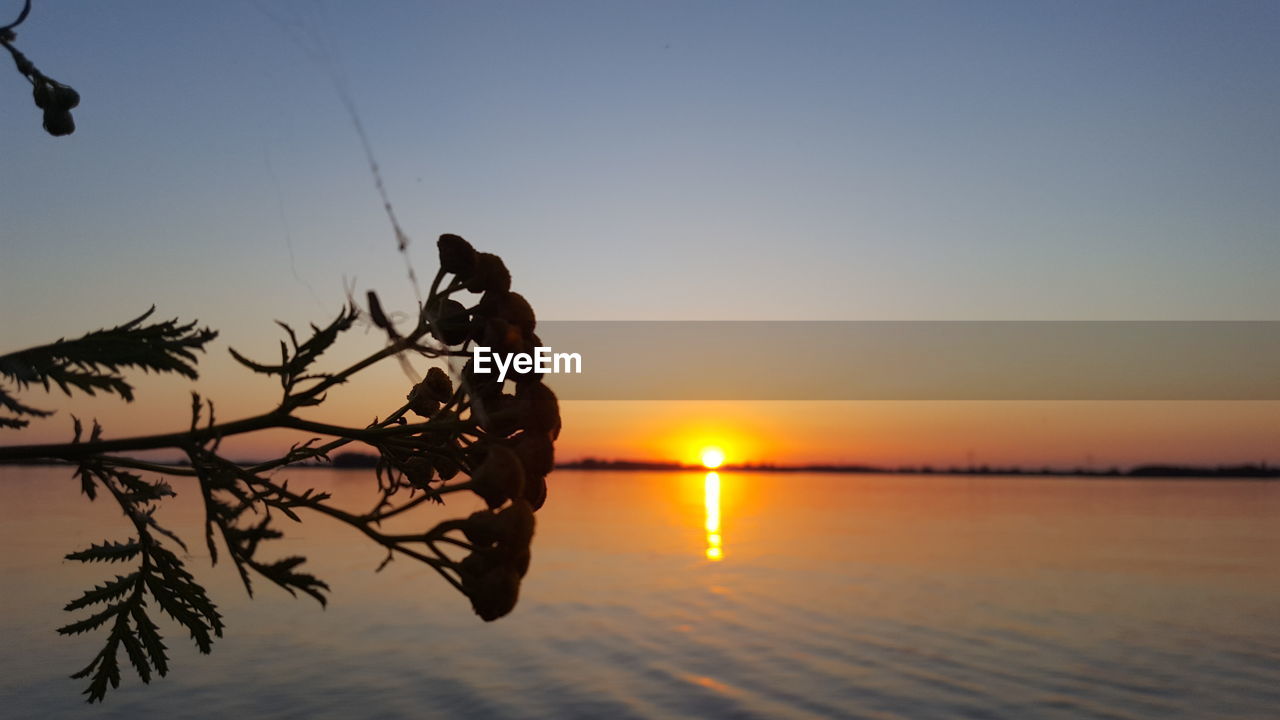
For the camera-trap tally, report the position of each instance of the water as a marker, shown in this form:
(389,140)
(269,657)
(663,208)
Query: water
(745,595)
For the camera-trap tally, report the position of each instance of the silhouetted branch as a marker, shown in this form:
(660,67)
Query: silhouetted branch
(472,437)
(55,99)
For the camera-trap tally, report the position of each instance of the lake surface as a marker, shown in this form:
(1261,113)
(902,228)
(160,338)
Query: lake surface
(658,594)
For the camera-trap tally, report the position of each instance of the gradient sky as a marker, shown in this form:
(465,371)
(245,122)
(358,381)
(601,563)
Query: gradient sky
(664,160)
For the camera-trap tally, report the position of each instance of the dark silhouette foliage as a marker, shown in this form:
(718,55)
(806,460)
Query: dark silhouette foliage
(469,435)
(53,98)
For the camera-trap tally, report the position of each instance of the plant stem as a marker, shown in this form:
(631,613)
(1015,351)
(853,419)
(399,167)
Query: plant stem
(80,450)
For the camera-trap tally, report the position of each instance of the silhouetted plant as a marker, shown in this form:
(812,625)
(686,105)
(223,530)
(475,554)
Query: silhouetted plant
(472,436)
(53,98)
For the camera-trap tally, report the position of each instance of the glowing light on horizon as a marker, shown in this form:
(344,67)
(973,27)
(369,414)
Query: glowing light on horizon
(712,457)
(715,543)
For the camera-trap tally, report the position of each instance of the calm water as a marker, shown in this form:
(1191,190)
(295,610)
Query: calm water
(746,595)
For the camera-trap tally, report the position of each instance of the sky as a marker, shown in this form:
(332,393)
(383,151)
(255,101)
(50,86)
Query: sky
(661,161)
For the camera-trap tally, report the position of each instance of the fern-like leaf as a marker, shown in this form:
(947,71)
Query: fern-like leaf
(133,649)
(282,573)
(105,670)
(10,403)
(92,622)
(149,634)
(106,592)
(296,357)
(256,366)
(93,362)
(108,551)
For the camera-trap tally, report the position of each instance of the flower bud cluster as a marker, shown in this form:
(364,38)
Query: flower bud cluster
(501,435)
(499,558)
(519,429)
(57,101)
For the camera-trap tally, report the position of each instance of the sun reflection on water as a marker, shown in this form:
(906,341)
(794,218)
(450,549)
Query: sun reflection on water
(715,546)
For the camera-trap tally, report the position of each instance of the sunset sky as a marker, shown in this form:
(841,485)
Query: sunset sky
(662,160)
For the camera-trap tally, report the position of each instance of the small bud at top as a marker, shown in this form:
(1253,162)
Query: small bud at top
(65,97)
(456,255)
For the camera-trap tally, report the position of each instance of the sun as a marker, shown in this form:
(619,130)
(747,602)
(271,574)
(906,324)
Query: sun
(712,457)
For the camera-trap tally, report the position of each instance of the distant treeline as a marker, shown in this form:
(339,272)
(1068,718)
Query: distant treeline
(355,460)
(1261,470)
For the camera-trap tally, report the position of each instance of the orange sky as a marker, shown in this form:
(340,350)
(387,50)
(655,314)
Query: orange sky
(939,433)
(785,432)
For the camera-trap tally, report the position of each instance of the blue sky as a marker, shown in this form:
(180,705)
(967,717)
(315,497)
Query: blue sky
(649,160)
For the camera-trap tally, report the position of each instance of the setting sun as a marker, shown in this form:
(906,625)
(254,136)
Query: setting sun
(712,457)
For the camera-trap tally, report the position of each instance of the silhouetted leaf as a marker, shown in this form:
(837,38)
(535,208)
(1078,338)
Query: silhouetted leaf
(105,670)
(108,591)
(133,648)
(11,404)
(90,363)
(92,622)
(254,366)
(108,551)
(149,634)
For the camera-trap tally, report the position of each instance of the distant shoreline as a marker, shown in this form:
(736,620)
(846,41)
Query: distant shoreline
(1236,472)
(1262,471)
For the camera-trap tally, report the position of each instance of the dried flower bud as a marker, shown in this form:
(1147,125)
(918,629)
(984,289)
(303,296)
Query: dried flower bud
(518,561)
(64,97)
(535,491)
(536,452)
(498,413)
(42,93)
(482,528)
(537,456)
(483,387)
(418,470)
(478,562)
(539,409)
(422,400)
(456,255)
(446,467)
(499,477)
(59,122)
(510,529)
(489,274)
(493,593)
(515,523)
(509,306)
(449,320)
(502,337)
(516,310)
(438,384)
